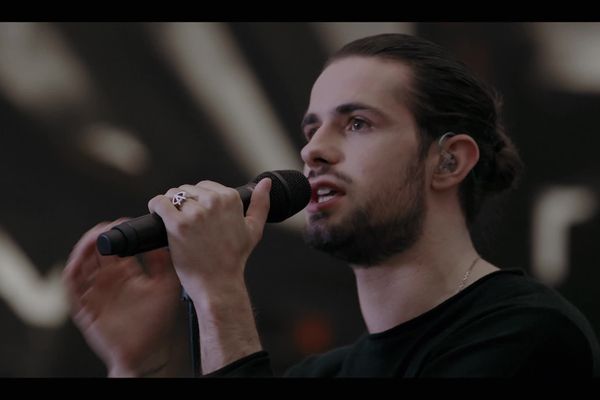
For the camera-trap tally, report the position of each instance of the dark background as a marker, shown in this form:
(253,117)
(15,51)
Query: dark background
(54,189)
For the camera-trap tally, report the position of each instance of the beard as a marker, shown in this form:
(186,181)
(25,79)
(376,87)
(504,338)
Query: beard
(386,225)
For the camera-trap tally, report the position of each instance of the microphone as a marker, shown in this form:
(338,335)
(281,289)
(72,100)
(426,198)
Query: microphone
(290,193)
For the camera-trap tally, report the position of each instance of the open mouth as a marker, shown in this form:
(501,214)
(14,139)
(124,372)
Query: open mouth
(324,194)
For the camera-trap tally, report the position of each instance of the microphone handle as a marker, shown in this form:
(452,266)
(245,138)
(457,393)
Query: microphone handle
(147,232)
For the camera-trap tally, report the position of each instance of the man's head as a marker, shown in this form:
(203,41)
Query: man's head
(375,111)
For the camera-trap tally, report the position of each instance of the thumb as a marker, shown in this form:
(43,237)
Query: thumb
(258,210)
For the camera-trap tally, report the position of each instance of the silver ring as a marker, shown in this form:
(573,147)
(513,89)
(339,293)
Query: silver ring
(179,199)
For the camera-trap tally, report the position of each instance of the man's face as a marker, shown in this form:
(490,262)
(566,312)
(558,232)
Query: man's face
(362,161)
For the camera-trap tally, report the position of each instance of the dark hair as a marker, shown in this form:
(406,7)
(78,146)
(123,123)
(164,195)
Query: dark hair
(445,96)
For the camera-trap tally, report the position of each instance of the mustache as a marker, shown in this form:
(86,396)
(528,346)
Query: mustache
(329,171)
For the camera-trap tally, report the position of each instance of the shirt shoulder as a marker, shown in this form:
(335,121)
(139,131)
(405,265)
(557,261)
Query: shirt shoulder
(511,325)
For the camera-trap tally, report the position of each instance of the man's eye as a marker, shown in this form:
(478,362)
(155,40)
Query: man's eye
(309,133)
(357,124)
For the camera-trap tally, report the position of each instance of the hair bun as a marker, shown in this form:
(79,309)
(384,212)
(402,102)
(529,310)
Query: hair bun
(504,168)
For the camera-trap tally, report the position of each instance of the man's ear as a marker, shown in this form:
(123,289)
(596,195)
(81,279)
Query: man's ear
(456,157)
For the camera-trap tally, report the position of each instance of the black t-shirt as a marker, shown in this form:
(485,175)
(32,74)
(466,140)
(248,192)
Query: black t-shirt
(504,325)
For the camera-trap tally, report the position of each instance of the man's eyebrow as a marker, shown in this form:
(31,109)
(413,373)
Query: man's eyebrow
(351,107)
(342,109)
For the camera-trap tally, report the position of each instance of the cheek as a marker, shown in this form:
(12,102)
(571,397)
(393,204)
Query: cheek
(380,165)
(387,176)
(375,178)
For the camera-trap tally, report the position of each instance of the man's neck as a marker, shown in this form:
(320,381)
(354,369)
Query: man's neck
(415,281)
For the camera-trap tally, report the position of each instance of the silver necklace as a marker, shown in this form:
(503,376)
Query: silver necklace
(464,279)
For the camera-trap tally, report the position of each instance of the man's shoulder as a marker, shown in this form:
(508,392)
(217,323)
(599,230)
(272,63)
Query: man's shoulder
(513,288)
(513,294)
(514,305)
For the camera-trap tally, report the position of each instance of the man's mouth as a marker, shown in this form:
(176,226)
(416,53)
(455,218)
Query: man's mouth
(324,194)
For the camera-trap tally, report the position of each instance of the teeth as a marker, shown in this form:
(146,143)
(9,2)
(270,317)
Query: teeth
(322,199)
(324,191)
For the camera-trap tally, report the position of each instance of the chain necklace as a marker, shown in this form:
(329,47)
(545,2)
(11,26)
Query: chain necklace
(464,279)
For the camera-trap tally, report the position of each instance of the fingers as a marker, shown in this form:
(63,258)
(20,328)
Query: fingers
(163,206)
(84,316)
(258,210)
(82,248)
(82,262)
(206,194)
(207,199)
(89,304)
(158,263)
(85,262)
(86,244)
(214,196)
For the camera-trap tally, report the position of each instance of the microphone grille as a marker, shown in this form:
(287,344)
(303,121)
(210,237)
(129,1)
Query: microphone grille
(290,193)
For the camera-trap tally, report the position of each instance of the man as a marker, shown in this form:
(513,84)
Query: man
(403,145)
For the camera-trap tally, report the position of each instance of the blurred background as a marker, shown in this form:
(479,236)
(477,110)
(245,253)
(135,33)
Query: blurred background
(97,118)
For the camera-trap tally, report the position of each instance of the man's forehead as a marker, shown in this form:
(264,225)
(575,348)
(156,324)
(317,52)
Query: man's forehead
(369,80)
(365,69)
